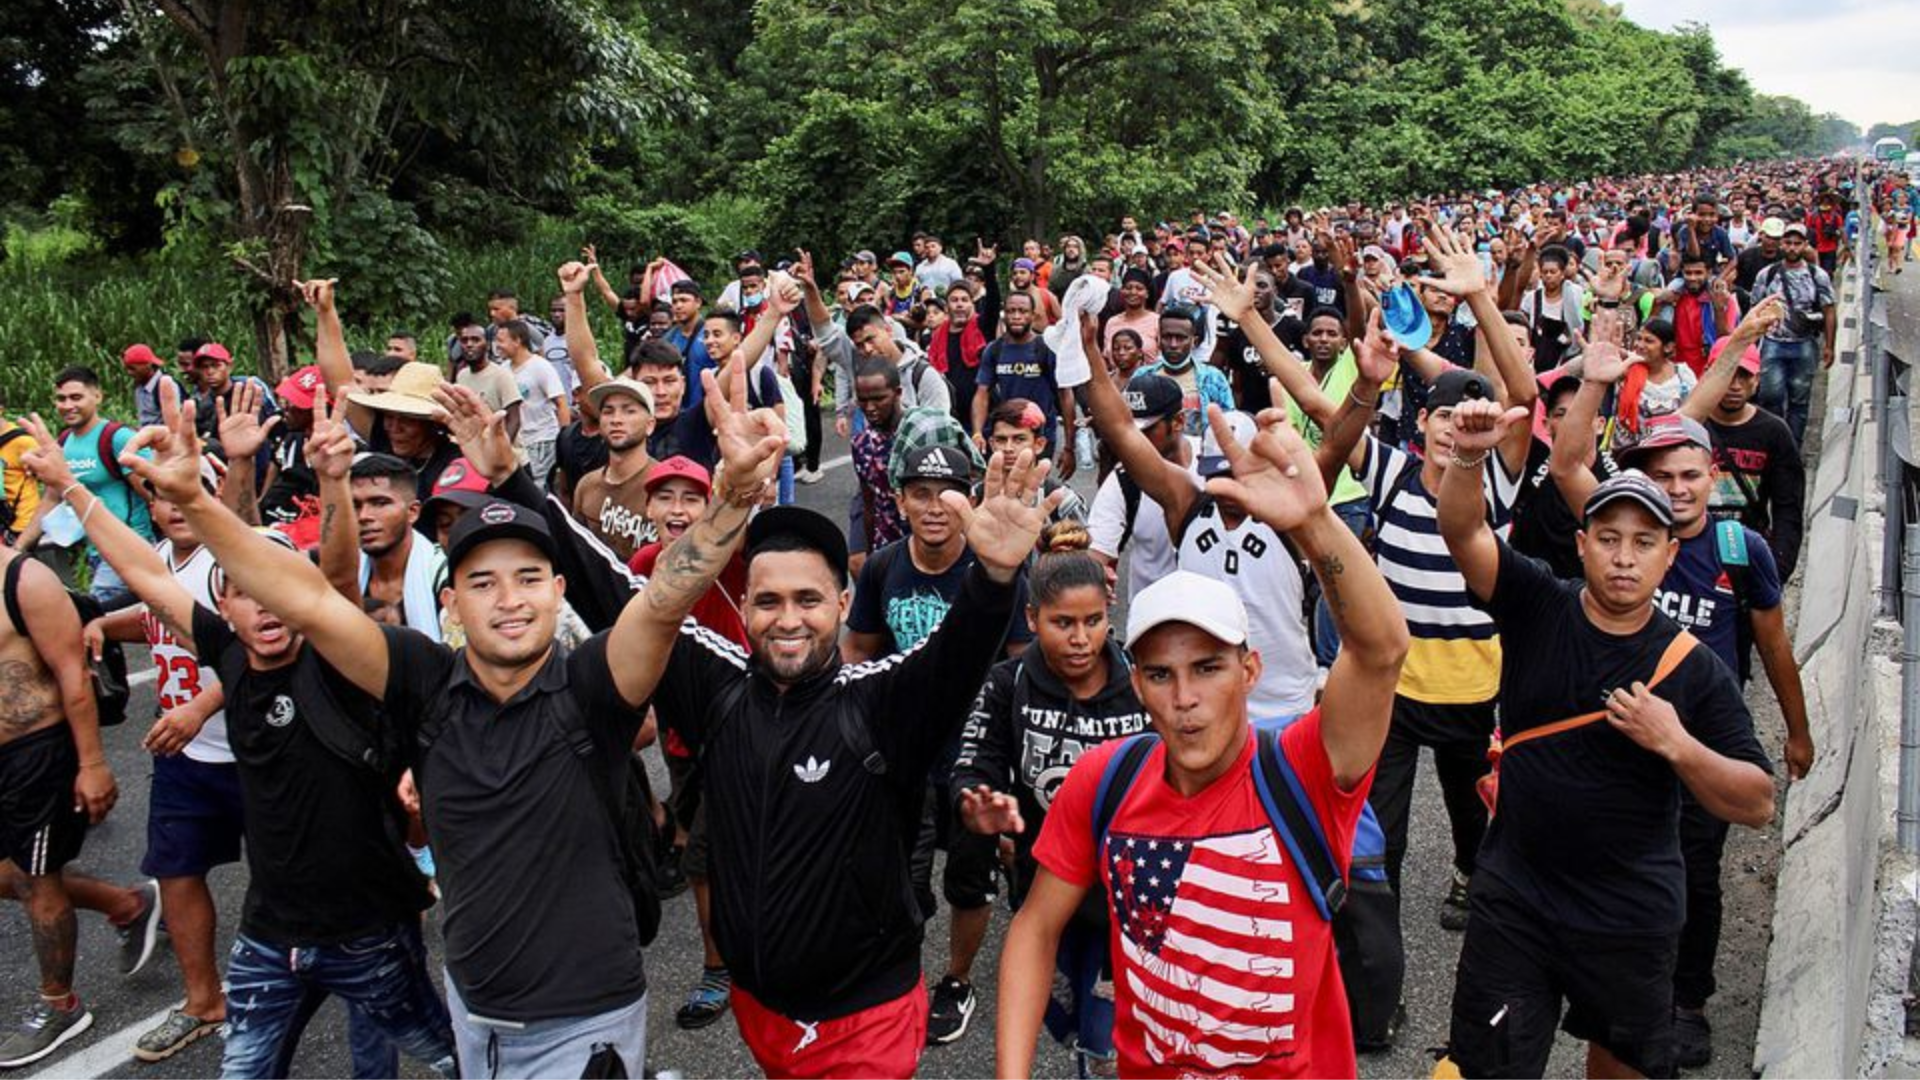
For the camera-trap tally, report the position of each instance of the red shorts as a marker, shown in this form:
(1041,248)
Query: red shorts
(884,1040)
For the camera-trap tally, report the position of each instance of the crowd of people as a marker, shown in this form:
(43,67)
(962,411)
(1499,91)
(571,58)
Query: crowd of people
(1477,473)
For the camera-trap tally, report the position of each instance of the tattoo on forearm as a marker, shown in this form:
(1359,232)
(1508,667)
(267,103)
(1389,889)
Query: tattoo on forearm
(691,564)
(1331,569)
(53,945)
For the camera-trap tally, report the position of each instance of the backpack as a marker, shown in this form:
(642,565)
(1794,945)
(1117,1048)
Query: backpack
(13,505)
(1362,907)
(1730,543)
(111,692)
(629,809)
(104,450)
(1130,495)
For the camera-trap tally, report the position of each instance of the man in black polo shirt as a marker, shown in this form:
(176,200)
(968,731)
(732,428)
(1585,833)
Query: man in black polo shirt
(542,933)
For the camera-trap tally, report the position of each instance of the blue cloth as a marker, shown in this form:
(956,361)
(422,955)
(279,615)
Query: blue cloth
(693,348)
(1024,369)
(1786,381)
(273,990)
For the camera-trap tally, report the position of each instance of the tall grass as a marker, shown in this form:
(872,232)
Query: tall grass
(61,304)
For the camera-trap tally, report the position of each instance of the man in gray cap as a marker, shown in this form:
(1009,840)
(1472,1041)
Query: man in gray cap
(1580,892)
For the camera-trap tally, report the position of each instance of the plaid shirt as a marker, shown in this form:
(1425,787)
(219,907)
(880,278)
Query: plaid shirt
(870,449)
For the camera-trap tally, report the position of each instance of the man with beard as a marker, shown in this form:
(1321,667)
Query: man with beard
(612,500)
(816,776)
(543,948)
(476,368)
(397,564)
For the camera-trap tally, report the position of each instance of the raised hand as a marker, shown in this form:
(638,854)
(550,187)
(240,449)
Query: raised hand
(1006,525)
(480,432)
(590,255)
(989,812)
(1456,266)
(802,271)
(1376,353)
(574,276)
(751,441)
(329,446)
(1761,318)
(1231,296)
(1479,426)
(1612,282)
(1275,477)
(317,292)
(47,461)
(984,253)
(783,293)
(242,433)
(1605,362)
(173,472)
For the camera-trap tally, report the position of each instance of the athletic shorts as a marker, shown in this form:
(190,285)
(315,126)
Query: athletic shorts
(690,811)
(884,1040)
(1516,970)
(967,882)
(39,828)
(194,817)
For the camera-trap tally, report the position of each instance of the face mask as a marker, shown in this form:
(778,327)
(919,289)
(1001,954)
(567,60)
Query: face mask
(753,300)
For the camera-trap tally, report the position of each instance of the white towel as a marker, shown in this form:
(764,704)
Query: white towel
(1085,297)
(420,590)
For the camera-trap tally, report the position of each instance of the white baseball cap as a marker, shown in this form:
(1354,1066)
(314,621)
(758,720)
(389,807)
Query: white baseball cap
(1186,597)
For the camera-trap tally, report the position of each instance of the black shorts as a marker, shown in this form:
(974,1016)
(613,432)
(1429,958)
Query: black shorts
(690,811)
(967,882)
(1516,970)
(39,828)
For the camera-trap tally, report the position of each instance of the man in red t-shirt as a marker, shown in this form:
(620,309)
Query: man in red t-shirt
(1222,963)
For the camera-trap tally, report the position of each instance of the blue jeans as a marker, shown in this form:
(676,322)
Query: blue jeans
(273,991)
(1085,1022)
(1786,380)
(1356,514)
(105,585)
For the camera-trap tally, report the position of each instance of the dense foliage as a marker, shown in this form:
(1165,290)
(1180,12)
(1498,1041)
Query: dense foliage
(237,144)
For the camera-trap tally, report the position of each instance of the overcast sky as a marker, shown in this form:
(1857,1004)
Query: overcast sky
(1857,58)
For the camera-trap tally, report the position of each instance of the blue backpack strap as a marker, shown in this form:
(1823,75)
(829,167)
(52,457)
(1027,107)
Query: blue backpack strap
(1289,812)
(1115,781)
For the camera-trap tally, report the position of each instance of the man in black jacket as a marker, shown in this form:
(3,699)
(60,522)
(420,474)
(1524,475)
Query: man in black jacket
(814,774)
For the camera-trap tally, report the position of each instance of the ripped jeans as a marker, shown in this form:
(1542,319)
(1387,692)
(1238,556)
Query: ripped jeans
(273,991)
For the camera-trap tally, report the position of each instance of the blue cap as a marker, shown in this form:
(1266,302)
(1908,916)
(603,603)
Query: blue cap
(1405,319)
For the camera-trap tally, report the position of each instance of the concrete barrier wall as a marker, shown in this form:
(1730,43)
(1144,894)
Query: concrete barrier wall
(1839,819)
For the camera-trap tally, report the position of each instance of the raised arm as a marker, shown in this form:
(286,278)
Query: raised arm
(1478,428)
(1159,479)
(330,348)
(242,434)
(131,555)
(1276,480)
(591,256)
(581,348)
(1233,297)
(1376,355)
(1714,381)
(279,578)
(329,453)
(751,445)
(1460,275)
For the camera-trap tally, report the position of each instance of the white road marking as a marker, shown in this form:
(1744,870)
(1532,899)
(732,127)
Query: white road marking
(843,459)
(142,678)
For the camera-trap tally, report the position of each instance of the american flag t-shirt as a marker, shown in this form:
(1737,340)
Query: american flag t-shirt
(1205,926)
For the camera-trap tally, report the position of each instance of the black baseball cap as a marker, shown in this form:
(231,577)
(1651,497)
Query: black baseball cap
(497,519)
(945,463)
(1457,385)
(1631,486)
(1152,397)
(815,530)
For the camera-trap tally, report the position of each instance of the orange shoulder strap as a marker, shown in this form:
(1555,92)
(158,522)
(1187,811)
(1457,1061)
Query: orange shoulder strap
(1677,650)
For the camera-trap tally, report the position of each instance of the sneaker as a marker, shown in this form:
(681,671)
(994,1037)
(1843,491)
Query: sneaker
(1692,1038)
(670,878)
(137,938)
(952,1009)
(810,476)
(43,1030)
(707,1001)
(1453,910)
(177,1032)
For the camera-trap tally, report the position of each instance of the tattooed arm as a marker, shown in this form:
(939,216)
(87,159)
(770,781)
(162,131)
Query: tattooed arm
(329,453)
(751,445)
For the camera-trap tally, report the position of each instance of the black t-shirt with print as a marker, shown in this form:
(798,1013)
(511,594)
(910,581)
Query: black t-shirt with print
(324,860)
(1587,829)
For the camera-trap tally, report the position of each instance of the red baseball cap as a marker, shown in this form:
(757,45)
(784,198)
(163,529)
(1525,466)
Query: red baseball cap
(681,468)
(213,350)
(1749,360)
(139,354)
(300,388)
(460,484)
